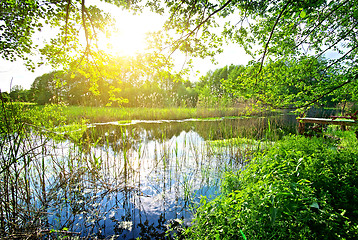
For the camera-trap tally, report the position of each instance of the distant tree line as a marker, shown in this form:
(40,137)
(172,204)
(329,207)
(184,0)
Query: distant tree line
(17,94)
(162,91)
(57,87)
(222,87)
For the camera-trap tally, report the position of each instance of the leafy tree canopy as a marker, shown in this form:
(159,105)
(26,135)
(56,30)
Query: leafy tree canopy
(279,33)
(282,35)
(20,20)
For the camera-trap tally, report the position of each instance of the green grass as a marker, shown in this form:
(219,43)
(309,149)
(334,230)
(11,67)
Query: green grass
(108,114)
(300,188)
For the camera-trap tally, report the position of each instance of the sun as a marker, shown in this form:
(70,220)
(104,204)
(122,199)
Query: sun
(125,43)
(128,37)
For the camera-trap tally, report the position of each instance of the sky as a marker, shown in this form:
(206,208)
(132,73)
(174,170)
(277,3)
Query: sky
(132,29)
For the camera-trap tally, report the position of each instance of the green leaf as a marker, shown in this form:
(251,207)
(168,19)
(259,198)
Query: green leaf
(314,205)
(303,14)
(243,235)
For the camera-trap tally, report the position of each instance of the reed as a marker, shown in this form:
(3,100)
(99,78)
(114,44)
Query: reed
(109,114)
(23,198)
(33,169)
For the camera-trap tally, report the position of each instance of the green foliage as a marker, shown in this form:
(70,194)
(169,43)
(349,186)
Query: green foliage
(73,131)
(211,87)
(123,81)
(25,133)
(48,120)
(21,126)
(287,39)
(49,116)
(287,82)
(18,94)
(5,97)
(20,20)
(299,189)
(45,89)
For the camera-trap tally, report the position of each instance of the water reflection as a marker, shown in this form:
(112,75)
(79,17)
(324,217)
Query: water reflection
(207,129)
(145,176)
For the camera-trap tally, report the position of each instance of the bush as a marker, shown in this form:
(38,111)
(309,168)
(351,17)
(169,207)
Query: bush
(299,189)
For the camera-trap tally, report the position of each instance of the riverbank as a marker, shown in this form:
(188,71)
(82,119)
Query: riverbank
(302,188)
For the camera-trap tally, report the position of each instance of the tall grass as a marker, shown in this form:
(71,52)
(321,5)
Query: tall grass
(108,114)
(28,165)
(20,147)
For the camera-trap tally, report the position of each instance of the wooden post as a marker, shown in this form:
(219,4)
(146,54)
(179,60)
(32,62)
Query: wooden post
(301,127)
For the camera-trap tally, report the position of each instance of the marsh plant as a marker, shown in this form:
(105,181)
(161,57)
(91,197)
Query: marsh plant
(27,137)
(19,146)
(120,179)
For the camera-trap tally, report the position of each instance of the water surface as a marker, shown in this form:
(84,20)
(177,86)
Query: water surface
(147,175)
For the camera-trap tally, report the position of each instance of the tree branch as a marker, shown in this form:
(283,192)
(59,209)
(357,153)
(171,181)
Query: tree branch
(320,22)
(271,34)
(180,41)
(328,92)
(95,34)
(339,59)
(335,88)
(67,16)
(345,35)
(83,9)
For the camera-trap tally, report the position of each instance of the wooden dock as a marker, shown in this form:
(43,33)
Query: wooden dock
(342,122)
(321,121)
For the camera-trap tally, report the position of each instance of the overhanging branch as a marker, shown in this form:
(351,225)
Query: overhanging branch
(329,91)
(180,41)
(271,34)
(83,10)
(320,22)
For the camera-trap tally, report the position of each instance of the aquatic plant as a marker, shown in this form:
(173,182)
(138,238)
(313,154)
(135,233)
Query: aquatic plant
(27,139)
(19,146)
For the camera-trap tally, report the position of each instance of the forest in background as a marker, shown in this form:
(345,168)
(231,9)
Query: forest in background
(218,88)
(172,91)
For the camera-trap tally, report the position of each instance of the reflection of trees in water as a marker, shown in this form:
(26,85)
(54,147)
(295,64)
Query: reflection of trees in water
(131,136)
(272,128)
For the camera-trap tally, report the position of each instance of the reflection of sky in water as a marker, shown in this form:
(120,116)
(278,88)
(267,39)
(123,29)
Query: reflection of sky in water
(163,180)
(146,177)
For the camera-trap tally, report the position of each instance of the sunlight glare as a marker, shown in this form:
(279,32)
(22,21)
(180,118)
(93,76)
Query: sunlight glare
(128,39)
(126,42)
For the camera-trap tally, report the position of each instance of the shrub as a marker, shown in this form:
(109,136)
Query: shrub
(299,189)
